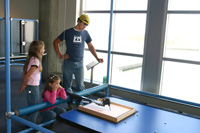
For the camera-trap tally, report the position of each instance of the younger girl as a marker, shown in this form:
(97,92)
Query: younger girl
(31,76)
(51,91)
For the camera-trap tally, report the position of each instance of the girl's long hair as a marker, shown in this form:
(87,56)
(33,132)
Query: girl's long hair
(34,51)
(51,79)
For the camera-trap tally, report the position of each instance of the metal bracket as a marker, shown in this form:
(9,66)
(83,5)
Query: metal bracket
(8,114)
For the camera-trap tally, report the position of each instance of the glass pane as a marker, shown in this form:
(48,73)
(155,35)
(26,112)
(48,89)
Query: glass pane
(129,38)
(181,81)
(131,5)
(126,71)
(182,37)
(96,5)
(99,30)
(99,71)
(184,5)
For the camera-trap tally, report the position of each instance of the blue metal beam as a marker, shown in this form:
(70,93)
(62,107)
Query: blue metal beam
(43,124)
(11,38)
(40,106)
(160,97)
(7,60)
(109,46)
(25,19)
(30,124)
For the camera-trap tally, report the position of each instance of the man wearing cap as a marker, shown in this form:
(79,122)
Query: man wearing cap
(75,39)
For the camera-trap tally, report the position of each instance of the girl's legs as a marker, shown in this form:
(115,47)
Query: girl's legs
(59,110)
(48,115)
(32,95)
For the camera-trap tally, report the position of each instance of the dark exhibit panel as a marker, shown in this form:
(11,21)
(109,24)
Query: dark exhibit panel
(23,32)
(2,38)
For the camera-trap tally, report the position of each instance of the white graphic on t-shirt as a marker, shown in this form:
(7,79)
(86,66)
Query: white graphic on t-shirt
(77,39)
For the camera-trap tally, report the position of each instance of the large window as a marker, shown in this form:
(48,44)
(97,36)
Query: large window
(182,38)
(129,30)
(181,80)
(172,70)
(99,30)
(126,71)
(128,33)
(181,64)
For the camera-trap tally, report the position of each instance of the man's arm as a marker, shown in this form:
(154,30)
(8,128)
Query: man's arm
(56,47)
(93,51)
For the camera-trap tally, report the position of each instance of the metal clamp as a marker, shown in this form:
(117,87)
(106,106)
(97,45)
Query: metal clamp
(8,114)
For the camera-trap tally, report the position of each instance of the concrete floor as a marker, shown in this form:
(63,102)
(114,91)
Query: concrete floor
(18,100)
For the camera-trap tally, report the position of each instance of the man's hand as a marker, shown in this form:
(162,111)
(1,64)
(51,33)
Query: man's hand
(100,60)
(65,56)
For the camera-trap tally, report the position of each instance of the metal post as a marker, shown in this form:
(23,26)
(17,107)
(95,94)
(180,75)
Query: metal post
(7,58)
(91,78)
(109,45)
(11,38)
(37,29)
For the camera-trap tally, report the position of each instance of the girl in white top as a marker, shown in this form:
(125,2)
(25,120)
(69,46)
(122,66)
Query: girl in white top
(31,76)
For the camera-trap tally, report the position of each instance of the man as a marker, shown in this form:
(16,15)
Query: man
(73,58)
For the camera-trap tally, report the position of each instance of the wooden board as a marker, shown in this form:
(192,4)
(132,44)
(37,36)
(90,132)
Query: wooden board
(116,114)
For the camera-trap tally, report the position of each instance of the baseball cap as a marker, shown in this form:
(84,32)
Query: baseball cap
(85,19)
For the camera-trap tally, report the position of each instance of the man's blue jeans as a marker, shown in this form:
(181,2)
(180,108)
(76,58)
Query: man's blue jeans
(32,95)
(70,68)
